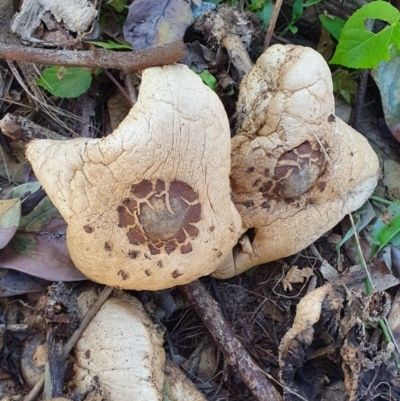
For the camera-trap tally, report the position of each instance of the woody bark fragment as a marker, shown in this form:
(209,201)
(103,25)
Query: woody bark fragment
(125,61)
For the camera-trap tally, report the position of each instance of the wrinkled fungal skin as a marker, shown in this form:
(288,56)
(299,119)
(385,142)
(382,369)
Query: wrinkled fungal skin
(149,206)
(297,169)
(121,351)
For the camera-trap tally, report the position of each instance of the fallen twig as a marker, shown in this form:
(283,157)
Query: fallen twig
(126,61)
(21,129)
(37,390)
(234,351)
(359,103)
(271,26)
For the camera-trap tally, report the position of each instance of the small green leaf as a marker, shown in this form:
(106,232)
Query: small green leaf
(110,45)
(117,5)
(383,233)
(333,25)
(310,3)
(40,216)
(344,83)
(208,79)
(10,212)
(360,48)
(65,82)
(297,10)
(264,10)
(10,216)
(265,14)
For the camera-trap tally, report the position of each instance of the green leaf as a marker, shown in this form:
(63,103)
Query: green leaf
(110,45)
(384,232)
(65,82)
(310,3)
(264,10)
(40,216)
(117,5)
(360,48)
(265,14)
(333,25)
(208,79)
(361,218)
(10,216)
(344,83)
(297,10)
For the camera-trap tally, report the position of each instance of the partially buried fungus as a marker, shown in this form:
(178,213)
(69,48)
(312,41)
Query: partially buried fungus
(121,353)
(297,169)
(148,207)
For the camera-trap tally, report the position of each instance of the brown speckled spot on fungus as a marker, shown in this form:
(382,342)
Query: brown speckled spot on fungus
(321,186)
(256,182)
(266,172)
(250,170)
(148,272)
(161,214)
(135,237)
(88,229)
(265,205)
(170,247)
(108,246)
(266,187)
(298,169)
(175,274)
(87,354)
(159,264)
(125,218)
(153,250)
(124,275)
(331,118)
(133,254)
(142,189)
(186,248)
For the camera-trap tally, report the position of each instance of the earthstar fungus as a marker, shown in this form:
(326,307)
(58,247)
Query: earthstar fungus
(148,207)
(297,169)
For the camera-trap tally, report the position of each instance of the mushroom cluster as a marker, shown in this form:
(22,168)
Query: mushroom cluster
(148,207)
(297,169)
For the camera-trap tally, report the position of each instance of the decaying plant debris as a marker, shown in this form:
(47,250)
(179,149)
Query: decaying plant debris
(172,156)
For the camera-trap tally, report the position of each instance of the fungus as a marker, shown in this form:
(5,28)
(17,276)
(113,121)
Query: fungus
(121,351)
(297,169)
(148,207)
(120,356)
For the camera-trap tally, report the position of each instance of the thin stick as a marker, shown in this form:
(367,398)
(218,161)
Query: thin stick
(126,61)
(359,104)
(235,353)
(272,23)
(38,389)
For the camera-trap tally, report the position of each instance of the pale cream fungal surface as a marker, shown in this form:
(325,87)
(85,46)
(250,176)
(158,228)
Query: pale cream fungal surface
(297,169)
(149,206)
(121,353)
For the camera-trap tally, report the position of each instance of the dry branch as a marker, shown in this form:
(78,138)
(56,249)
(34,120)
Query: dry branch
(126,61)
(234,351)
(21,129)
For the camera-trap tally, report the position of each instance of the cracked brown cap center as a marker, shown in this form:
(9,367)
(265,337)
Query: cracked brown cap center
(161,214)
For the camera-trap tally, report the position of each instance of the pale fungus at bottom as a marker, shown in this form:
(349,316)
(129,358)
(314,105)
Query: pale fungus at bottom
(297,169)
(120,355)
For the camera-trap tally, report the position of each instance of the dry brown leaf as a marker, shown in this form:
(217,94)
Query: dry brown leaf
(296,275)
